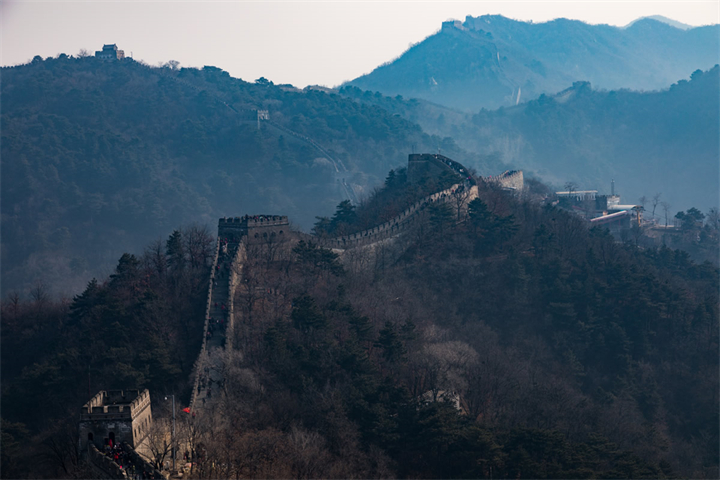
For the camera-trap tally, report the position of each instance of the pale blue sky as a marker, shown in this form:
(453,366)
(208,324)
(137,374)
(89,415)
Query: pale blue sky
(298,42)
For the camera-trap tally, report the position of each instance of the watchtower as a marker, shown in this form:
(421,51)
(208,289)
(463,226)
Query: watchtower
(110,52)
(117,415)
(257,228)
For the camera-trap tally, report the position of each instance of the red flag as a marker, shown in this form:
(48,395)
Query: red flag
(186,409)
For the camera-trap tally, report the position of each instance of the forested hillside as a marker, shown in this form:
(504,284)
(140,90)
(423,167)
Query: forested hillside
(102,157)
(665,142)
(514,344)
(492,61)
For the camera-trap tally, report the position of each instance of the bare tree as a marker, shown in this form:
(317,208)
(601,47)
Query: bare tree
(172,64)
(198,245)
(39,294)
(655,202)
(310,457)
(666,208)
(642,201)
(155,258)
(570,187)
(11,306)
(158,442)
(83,53)
(460,198)
(62,449)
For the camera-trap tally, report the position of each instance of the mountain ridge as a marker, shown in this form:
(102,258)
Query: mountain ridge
(490,61)
(650,142)
(100,157)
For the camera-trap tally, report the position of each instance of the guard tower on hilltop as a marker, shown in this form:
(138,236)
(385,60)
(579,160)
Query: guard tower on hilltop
(257,228)
(117,415)
(110,52)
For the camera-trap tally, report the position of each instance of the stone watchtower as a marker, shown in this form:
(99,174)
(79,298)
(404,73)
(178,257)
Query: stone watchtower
(257,228)
(120,415)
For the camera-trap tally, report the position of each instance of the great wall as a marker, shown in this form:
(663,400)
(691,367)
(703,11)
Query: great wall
(234,234)
(124,418)
(129,418)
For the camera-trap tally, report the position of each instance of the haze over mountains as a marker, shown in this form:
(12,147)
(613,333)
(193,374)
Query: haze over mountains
(649,142)
(100,157)
(492,61)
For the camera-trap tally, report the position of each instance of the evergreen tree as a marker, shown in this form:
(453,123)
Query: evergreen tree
(389,341)
(175,251)
(343,218)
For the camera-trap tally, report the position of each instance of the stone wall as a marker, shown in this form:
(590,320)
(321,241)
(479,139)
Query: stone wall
(141,421)
(203,349)
(103,466)
(235,277)
(509,180)
(433,165)
(392,227)
(141,464)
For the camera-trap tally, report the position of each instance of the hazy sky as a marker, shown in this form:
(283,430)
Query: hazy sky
(298,42)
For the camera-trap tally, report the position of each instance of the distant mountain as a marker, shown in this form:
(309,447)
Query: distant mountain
(493,61)
(660,18)
(99,158)
(655,142)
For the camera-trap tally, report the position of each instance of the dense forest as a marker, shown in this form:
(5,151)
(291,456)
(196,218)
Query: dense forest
(103,157)
(493,61)
(505,341)
(664,142)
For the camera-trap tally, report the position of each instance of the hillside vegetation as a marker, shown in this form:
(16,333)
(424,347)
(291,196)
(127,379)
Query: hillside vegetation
(515,344)
(665,142)
(102,157)
(493,61)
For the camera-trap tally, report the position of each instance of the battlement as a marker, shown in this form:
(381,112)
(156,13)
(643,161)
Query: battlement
(253,226)
(115,404)
(117,415)
(510,180)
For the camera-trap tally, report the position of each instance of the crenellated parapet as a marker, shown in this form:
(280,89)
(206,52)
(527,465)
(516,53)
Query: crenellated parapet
(511,180)
(115,404)
(396,225)
(255,228)
(117,415)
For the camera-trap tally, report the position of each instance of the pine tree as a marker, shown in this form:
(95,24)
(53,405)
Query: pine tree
(175,251)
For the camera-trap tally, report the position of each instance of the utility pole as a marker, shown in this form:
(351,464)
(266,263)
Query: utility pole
(173,430)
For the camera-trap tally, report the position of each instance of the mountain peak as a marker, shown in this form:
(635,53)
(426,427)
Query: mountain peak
(660,19)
